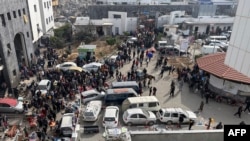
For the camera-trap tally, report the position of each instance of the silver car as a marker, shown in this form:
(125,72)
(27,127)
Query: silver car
(94,66)
(138,116)
(91,95)
(10,105)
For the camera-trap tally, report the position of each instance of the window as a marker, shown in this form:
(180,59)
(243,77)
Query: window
(9,49)
(49,19)
(9,16)
(24,11)
(134,116)
(152,104)
(117,16)
(46,21)
(141,104)
(52,18)
(3,20)
(167,115)
(142,116)
(14,14)
(132,106)
(182,115)
(44,4)
(28,35)
(35,8)
(47,4)
(19,13)
(14,72)
(175,115)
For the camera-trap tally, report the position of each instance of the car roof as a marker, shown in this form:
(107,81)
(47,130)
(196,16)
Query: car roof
(43,82)
(92,105)
(179,110)
(120,91)
(88,92)
(111,111)
(134,110)
(94,63)
(143,99)
(127,83)
(9,101)
(69,63)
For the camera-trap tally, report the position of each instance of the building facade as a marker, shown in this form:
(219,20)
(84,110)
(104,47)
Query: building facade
(238,54)
(46,10)
(35,20)
(16,49)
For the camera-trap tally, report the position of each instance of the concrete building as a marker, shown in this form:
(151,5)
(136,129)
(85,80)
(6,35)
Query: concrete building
(35,21)
(47,18)
(238,54)
(16,47)
(116,23)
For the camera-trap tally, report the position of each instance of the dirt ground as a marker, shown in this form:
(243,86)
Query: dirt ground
(180,62)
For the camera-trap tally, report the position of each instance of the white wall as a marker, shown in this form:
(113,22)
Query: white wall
(46,15)
(120,23)
(238,54)
(131,23)
(35,19)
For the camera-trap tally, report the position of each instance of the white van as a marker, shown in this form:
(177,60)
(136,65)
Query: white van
(92,110)
(218,38)
(67,124)
(210,49)
(148,103)
(162,44)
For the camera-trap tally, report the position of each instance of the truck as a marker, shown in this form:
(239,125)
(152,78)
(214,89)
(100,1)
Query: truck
(206,49)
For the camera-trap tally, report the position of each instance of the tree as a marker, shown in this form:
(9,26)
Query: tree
(56,42)
(64,32)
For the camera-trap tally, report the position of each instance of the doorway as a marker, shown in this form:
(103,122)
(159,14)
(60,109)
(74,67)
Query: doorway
(20,48)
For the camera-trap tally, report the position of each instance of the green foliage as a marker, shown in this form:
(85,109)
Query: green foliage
(56,42)
(126,33)
(111,41)
(84,36)
(64,32)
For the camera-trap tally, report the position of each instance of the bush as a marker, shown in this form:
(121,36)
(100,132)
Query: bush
(56,42)
(111,41)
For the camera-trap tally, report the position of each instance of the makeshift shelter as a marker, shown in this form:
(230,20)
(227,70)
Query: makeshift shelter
(86,51)
(223,79)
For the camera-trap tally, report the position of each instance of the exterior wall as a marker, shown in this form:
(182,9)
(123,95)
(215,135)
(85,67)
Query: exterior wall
(238,54)
(190,135)
(120,23)
(46,15)
(35,19)
(7,35)
(142,2)
(131,23)
(202,28)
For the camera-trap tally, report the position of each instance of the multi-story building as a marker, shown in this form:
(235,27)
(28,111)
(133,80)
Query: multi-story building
(238,54)
(16,49)
(35,21)
(142,2)
(47,18)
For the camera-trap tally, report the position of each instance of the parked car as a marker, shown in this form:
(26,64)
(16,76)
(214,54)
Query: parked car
(44,86)
(90,95)
(10,105)
(171,115)
(94,66)
(92,110)
(111,117)
(66,65)
(138,116)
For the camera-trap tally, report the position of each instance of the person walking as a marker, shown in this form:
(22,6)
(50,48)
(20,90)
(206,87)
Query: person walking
(201,106)
(150,91)
(239,111)
(172,89)
(181,119)
(181,83)
(247,106)
(209,123)
(154,91)
(191,123)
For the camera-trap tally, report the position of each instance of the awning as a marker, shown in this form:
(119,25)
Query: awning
(107,24)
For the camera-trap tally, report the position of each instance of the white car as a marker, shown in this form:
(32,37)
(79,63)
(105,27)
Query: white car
(44,86)
(90,95)
(111,117)
(66,65)
(139,116)
(171,115)
(92,110)
(92,66)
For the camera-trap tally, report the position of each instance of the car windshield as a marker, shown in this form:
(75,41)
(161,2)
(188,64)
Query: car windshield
(88,114)
(161,112)
(42,87)
(109,119)
(146,113)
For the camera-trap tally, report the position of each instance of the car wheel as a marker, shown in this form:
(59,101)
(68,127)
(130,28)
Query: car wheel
(129,123)
(150,123)
(169,122)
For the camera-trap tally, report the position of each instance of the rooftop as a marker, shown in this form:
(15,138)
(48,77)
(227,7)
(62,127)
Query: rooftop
(211,63)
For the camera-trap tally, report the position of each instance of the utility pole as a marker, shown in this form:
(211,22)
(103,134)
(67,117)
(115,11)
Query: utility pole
(139,13)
